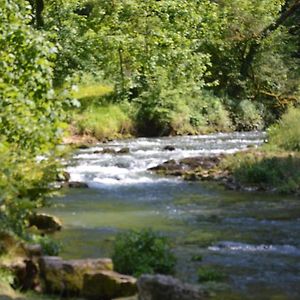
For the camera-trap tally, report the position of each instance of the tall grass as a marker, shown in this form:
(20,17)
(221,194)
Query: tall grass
(103,122)
(286,134)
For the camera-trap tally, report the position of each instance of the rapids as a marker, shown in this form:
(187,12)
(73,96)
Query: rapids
(253,238)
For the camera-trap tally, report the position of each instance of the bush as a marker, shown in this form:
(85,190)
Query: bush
(286,134)
(49,246)
(248,117)
(140,252)
(174,112)
(213,111)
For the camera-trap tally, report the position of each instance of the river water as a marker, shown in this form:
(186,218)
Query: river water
(252,238)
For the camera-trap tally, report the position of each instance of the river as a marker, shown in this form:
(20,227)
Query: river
(253,238)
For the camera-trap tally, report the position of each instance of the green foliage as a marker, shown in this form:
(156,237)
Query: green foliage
(24,186)
(103,122)
(49,246)
(266,170)
(30,116)
(6,276)
(208,273)
(140,252)
(286,134)
(29,111)
(212,110)
(77,42)
(248,117)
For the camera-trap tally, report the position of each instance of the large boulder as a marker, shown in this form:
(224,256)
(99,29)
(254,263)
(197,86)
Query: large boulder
(160,287)
(45,222)
(106,285)
(66,277)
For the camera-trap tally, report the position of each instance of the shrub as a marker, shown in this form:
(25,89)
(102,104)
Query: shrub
(139,252)
(214,112)
(49,246)
(248,117)
(286,134)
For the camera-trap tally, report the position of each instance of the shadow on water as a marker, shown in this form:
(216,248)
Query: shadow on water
(252,238)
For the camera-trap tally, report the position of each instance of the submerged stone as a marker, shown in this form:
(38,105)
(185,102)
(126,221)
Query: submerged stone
(77,185)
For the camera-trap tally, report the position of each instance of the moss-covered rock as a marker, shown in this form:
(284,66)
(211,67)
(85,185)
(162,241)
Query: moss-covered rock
(65,277)
(108,285)
(45,222)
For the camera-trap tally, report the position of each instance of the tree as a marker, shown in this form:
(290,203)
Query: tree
(30,115)
(288,10)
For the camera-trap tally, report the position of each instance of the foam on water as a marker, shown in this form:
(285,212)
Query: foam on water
(100,170)
(242,247)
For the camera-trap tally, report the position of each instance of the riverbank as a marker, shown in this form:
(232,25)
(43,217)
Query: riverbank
(251,170)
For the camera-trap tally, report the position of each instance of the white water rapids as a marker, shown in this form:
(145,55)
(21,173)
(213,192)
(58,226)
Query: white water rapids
(112,170)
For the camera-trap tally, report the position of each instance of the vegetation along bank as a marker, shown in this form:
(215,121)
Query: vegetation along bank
(87,70)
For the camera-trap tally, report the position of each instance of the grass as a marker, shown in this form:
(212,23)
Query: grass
(286,134)
(266,169)
(103,122)
(92,91)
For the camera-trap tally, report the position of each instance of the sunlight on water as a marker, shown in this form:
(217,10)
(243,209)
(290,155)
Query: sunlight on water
(254,238)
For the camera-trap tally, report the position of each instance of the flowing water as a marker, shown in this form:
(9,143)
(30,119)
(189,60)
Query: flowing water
(253,238)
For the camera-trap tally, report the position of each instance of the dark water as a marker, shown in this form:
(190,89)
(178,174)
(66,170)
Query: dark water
(252,238)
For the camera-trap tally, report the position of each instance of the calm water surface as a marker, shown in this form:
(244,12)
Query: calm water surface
(253,238)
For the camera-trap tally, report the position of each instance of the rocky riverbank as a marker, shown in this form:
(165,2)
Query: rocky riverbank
(250,170)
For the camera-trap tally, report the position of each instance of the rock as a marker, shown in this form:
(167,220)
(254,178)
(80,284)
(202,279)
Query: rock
(169,148)
(168,166)
(77,185)
(109,151)
(66,277)
(63,176)
(34,250)
(10,244)
(124,150)
(160,287)
(107,285)
(45,222)
(200,165)
(83,146)
(204,162)
(26,275)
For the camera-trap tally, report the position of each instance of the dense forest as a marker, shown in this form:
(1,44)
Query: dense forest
(109,69)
